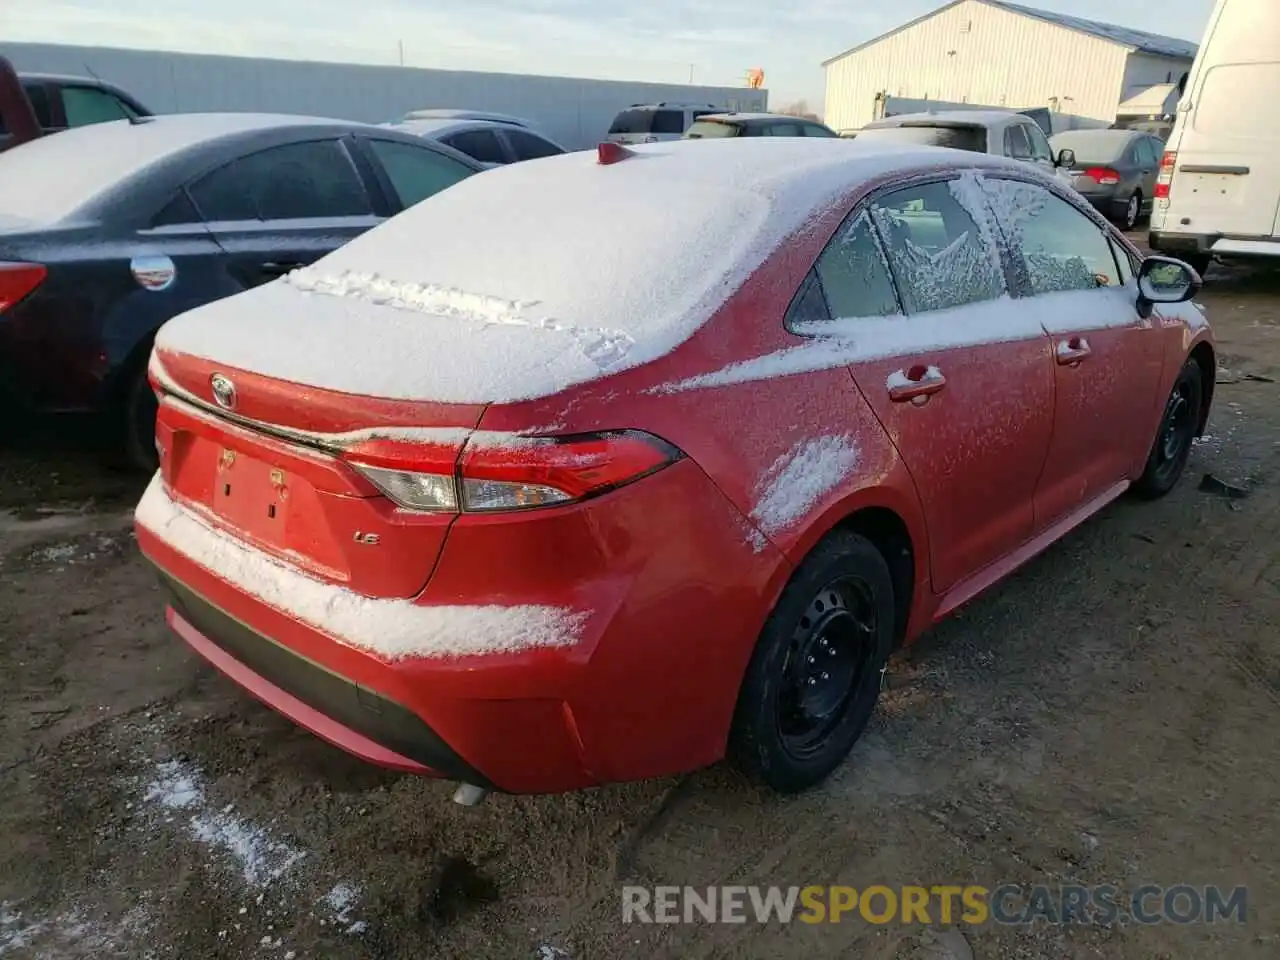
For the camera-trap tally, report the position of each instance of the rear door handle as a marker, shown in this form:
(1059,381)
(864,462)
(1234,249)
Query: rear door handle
(278,269)
(917,383)
(1070,352)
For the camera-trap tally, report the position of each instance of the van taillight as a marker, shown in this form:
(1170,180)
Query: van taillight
(527,472)
(17,280)
(1165,178)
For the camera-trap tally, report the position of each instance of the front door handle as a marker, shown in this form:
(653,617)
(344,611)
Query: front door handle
(916,384)
(1070,352)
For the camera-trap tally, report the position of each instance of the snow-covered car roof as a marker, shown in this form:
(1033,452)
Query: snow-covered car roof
(436,129)
(538,276)
(47,179)
(976,118)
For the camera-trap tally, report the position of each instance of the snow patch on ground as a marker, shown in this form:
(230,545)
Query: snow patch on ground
(72,929)
(340,903)
(798,479)
(391,629)
(179,790)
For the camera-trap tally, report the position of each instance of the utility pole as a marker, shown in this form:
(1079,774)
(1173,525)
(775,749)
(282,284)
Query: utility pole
(401,44)
(691,74)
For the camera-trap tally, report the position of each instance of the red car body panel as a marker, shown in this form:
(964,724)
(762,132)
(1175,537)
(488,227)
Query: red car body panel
(672,570)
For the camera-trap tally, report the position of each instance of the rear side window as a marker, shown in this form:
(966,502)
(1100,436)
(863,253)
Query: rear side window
(668,121)
(1148,154)
(298,181)
(38,94)
(783,130)
(632,121)
(1016,144)
(854,273)
(482,145)
(177,211)
(530,146)
(88,105)
(1057,247)
(939,256)
(416,172)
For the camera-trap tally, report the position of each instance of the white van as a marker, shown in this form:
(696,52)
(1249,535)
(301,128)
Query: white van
(1218,193)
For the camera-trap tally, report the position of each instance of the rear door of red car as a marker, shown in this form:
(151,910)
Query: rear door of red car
(961,381)
(1107,358)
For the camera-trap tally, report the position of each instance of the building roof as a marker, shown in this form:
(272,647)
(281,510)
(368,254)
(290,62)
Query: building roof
(1138,40)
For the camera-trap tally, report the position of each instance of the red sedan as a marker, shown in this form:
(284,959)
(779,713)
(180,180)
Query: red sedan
(604,467)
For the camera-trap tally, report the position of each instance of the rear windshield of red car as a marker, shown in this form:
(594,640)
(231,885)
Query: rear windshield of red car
(973,139)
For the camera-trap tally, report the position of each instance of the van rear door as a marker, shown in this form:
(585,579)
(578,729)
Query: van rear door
(1227,174)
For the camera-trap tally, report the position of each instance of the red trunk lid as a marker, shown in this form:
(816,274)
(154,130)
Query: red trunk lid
(261,459)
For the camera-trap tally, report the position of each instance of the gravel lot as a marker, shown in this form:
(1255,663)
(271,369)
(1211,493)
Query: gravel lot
(1108,715)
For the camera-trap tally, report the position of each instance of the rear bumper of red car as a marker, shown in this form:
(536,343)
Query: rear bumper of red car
(647,687)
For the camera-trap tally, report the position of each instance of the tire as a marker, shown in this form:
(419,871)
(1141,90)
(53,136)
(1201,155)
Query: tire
(137,424)
(796,722)
(1172,445)
(1132,211)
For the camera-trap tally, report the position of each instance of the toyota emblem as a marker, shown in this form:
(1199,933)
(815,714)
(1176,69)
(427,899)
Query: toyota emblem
(224,391)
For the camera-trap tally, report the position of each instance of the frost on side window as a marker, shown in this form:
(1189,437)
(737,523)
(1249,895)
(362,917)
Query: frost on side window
(855,275)
(1056,246)
(941,255)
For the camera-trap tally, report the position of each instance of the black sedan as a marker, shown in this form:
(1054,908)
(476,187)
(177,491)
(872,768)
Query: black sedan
(108,231)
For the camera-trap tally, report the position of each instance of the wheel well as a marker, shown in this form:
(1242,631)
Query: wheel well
(1208,363)
(888,533)
(136,360)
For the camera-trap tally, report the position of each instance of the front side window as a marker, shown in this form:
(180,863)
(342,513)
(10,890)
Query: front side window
(1055,245)
(417,172)
(482,145)
(1040,149)
(813,130)
(784,129)
(1016,144)
(854,273)
(530,146)
(940,256)
(712,129)
(88,105)
(297,181)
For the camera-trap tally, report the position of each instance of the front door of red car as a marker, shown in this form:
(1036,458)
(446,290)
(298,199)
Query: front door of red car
(1107,358)
(961,381)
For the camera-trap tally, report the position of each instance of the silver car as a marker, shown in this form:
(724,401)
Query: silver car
(1115,170)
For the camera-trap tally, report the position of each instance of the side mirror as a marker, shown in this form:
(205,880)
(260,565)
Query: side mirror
(1166,280)
(1066,158)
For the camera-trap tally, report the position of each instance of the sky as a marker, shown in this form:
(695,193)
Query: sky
(674,41)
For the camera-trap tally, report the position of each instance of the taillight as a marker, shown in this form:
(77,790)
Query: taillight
(523,473)
(1164,180)
(17,280)
(1104,175)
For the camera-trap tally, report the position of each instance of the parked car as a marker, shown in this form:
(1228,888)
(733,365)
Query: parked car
(1002,133)
(491,142)
(1115,170)
(64,102)
(721,125)
(108,231)
(651,123)
(1218,190)
(935,365)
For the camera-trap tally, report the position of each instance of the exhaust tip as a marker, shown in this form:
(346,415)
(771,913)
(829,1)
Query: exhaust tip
(469,795)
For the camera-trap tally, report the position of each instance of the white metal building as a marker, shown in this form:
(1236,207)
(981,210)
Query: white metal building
(575,112)
(998,53)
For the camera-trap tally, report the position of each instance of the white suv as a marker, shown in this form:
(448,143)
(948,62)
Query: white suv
(649,123)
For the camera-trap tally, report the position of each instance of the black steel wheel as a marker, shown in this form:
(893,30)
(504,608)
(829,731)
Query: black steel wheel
(1178,426)
(815,675)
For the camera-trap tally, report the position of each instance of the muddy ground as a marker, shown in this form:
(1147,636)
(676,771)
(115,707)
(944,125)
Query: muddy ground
(1107,716)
